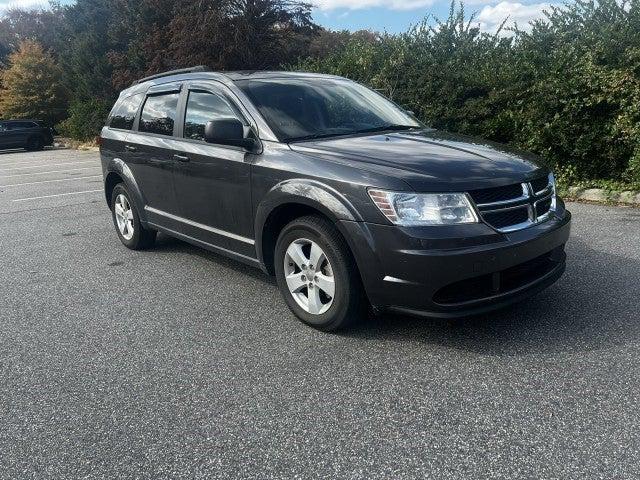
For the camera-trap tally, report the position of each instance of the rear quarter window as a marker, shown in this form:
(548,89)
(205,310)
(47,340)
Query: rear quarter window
(124,112)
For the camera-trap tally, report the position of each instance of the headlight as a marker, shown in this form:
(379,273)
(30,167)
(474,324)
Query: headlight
(410,209)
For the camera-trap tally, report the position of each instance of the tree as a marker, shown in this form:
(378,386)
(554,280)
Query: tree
(89,33)
(221,34)
(40,25)
(31,85)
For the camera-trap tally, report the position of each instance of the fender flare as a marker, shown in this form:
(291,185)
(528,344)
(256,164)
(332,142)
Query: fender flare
(118,167)
(306,192)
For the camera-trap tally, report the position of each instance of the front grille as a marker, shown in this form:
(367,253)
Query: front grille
(511,207)
(539,184)
(506,218)
(496,194)
(500,282)
(543,207)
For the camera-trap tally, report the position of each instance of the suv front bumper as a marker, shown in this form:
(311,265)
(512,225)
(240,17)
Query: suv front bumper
(455,271)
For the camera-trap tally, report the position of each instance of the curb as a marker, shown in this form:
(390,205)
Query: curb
(75,145)
(600,195)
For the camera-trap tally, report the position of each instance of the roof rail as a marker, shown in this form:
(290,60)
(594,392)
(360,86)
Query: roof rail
(199,68)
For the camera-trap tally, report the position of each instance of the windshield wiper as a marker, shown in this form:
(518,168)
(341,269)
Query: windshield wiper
(316,135)
(385,128)
(382,128)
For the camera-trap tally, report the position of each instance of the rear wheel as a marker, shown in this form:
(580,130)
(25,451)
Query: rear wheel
(317,275)
(35,143)
(127,221)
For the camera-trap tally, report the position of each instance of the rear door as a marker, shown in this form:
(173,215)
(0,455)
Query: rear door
(213,182)
(27,131)
(150,152)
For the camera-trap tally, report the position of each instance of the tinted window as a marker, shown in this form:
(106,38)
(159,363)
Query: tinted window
(124,112)
(159,114)
(316,107)
(203,107)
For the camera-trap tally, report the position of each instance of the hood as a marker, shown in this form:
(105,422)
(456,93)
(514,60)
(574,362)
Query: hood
(430,160)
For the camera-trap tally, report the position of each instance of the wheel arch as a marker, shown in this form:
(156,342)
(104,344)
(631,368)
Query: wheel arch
(293,199)
(119,172)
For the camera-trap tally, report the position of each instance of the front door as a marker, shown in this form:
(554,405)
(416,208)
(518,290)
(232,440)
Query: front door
(213,182)
(4,136)
(10,135)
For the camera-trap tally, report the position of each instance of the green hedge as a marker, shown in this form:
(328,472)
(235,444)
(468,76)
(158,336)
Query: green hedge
(86,119)
(568,90)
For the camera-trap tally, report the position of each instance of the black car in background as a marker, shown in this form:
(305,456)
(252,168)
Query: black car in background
(343,196)
(28,134)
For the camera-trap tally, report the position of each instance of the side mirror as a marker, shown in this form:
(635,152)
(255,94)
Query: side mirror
(228,131)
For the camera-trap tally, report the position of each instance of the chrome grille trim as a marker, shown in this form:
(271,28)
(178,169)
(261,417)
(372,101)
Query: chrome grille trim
(523,198)
(529,200)
(548,190)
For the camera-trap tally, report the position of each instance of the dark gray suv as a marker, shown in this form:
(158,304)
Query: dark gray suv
(28,134)
(343,196)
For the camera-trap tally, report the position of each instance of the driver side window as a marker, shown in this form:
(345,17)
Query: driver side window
(203,107)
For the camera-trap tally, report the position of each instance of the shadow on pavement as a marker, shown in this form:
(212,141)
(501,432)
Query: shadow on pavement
(594,306)
(30,152)
(170,244)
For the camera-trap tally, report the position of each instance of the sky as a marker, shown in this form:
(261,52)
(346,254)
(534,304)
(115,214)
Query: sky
(397,15)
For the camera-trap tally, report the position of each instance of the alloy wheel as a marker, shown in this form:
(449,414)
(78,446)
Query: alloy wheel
(309,276)
(124,217)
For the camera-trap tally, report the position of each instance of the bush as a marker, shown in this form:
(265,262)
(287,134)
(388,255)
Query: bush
(86,119)
(568,90)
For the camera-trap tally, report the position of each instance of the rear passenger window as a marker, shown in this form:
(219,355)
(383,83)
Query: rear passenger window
(203,107)
(159,114)
(124,113)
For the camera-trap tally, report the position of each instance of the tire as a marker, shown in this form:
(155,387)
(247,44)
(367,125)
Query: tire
(35,143)
(319,310)
(138,239)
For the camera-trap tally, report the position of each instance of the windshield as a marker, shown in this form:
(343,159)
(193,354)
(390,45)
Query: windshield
(301,109)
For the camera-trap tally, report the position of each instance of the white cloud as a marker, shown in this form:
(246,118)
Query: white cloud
(490,17)
(6,5)
(361,4)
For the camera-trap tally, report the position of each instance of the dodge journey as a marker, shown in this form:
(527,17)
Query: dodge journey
(344,196)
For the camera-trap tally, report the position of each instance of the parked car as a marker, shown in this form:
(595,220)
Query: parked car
(28,134)
(342,195)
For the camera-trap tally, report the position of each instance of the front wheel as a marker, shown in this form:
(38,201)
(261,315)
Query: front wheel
(127,221)
(317,275)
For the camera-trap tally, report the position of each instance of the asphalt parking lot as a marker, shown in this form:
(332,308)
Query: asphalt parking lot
(177,363)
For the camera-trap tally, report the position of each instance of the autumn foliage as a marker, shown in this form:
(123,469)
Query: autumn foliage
(31,85)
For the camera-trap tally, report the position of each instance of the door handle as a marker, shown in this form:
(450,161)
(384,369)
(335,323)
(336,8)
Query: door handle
(181,158)
(129,148)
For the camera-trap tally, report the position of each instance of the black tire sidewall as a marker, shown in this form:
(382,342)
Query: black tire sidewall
(34,144)
(338,313)
(134,242)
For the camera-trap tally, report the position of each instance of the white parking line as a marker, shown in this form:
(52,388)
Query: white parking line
(50,165)
(47,173)
(57,195)
(50,181)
